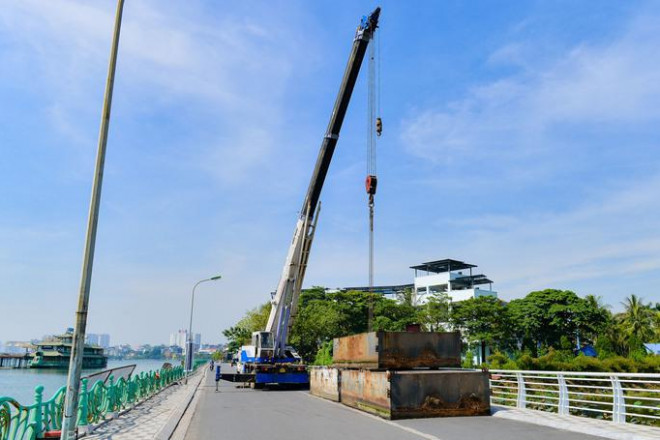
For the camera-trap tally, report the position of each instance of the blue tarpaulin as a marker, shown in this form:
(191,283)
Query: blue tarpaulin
(589,350)
(652,348)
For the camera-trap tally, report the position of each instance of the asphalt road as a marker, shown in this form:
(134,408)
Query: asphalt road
(242,413)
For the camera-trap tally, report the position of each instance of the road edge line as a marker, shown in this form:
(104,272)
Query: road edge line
(380,419)
(168,429)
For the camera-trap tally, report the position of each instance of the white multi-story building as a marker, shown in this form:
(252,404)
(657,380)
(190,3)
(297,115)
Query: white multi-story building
(453,277)
(180,339)
(102,340)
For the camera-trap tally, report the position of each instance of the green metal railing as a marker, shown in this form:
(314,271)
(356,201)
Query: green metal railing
(18,422)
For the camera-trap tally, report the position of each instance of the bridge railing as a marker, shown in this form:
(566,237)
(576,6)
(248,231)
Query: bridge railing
(98,402)
(618,397)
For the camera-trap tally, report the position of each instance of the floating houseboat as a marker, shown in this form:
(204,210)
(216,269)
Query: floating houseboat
(56,353)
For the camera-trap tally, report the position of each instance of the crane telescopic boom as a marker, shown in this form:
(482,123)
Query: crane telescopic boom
(285,299)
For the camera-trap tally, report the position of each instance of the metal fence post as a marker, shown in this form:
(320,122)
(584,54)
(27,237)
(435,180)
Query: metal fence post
(563,395)
(619,402)
(38,410)
(83,405)
(112,397)
(522,395)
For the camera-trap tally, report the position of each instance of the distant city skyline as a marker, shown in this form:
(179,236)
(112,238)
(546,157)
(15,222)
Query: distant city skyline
(180,338)
(101,339)
(518,135)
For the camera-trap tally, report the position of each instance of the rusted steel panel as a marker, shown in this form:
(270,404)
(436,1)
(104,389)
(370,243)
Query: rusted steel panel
(375,392)
(403,350)
(398,350)
(356,351)
(366,390)
(325,382)
(416,394)
(351,389)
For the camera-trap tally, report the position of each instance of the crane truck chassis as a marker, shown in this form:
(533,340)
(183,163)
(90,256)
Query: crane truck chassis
(268,359)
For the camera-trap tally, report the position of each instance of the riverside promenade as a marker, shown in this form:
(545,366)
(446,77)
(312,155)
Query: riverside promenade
(155,418)
(197,411)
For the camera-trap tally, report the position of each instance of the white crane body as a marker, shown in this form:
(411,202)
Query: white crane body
(268,357)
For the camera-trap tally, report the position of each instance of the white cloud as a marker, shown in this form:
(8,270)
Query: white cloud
(574,128)
(616,84)
(229,69)
(201,107)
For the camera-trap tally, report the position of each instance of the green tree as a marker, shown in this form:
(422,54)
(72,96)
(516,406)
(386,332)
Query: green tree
(637,321)
(317,321)
(541,318)
(434,315)
(241,333)
(483,320)
(324,315)
(390,315)
(592,318)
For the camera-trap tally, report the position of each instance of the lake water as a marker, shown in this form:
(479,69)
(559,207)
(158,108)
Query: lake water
(20,383)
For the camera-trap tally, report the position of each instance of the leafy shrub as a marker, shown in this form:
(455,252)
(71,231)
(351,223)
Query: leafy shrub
(497,360)
(650,364)
(526,362)
(324,354)
(468,362)
(586,363)
(619,364)
(556,360)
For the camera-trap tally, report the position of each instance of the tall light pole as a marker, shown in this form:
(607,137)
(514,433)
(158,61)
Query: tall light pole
(70,415)
(189,345)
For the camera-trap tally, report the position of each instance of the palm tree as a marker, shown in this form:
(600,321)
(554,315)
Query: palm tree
(617,337)
(596,302)
(593,319)
(637,319)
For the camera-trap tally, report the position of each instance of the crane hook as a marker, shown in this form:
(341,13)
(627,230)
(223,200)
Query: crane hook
(379,126)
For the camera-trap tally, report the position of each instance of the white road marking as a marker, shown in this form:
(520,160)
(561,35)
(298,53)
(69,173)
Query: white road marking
(380,419)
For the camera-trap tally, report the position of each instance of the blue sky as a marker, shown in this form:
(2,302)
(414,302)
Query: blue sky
(519,136)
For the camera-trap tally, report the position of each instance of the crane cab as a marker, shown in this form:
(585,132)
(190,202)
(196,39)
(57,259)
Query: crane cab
(261,351)
(264,346)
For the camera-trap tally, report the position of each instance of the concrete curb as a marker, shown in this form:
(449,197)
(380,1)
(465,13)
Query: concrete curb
(166,431)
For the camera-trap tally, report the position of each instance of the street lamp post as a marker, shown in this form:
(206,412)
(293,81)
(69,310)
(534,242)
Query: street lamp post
(70,410)
(189,345)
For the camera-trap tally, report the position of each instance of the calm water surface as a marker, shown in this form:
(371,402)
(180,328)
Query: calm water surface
(20,383)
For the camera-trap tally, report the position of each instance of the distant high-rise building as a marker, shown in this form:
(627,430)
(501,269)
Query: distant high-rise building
(102,339)
(179,338)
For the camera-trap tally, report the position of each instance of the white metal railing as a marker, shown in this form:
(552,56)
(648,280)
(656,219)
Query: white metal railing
(619,397)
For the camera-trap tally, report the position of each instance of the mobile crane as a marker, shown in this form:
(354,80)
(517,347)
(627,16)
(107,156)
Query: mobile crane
(268,358)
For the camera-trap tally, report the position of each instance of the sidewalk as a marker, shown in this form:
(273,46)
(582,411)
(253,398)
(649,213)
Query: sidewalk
(584,425)
(154,418)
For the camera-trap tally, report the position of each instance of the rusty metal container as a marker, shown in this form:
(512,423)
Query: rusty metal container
(398,350)
(417,394)
(325,382)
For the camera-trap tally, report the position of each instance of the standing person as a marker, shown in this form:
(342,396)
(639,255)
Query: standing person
(211,364)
